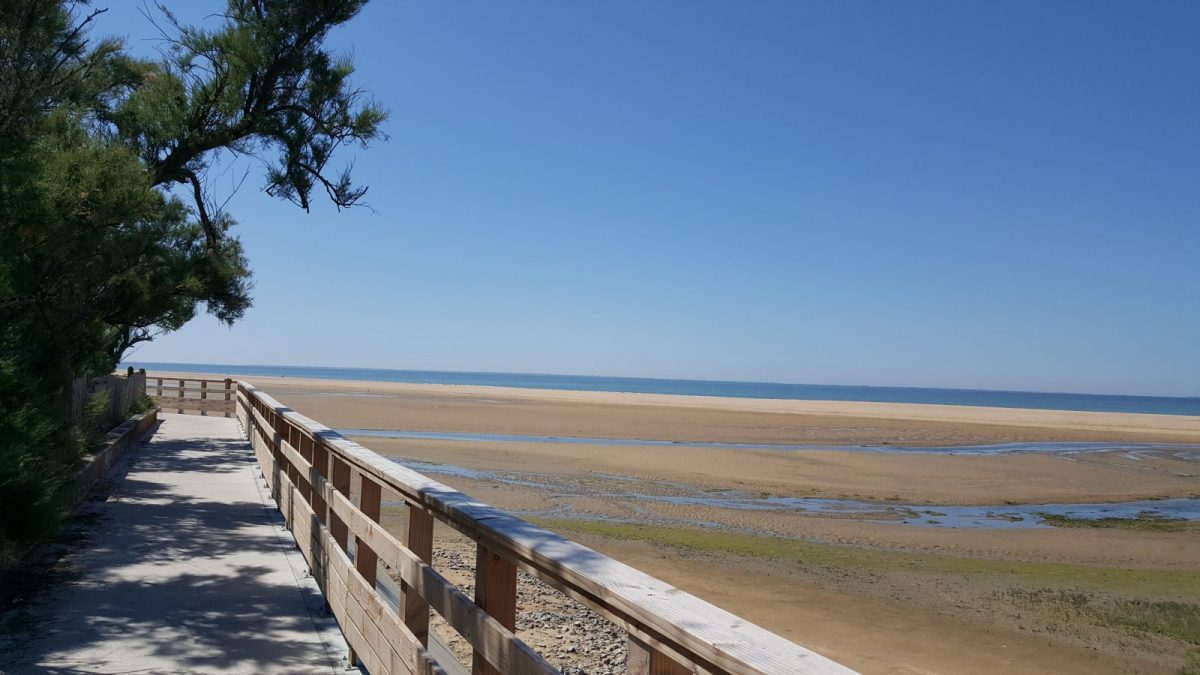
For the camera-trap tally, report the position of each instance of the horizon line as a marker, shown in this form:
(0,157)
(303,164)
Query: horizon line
(672,379)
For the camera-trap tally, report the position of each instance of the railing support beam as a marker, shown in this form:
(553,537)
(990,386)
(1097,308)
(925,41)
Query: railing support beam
(341,482)
(646,660)
(365,560)
(420,542)
(496,594)
(369,503)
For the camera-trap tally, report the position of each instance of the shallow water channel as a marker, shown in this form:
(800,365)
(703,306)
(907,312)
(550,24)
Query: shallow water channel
(627,489)
(1188,450)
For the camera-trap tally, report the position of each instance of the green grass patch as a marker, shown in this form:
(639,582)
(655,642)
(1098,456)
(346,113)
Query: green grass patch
(1147,520)
(1179,620)
(1164,618)
(833,556)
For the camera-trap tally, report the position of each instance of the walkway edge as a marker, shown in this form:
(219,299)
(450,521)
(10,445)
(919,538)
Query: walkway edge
(334,643)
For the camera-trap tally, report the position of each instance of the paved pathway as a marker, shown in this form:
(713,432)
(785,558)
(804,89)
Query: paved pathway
(188,571)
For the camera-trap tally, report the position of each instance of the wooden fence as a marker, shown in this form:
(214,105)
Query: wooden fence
(313,471)
(182,394)
(122,392)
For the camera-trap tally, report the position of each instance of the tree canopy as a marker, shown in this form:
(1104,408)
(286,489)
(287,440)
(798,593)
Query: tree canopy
(108,234)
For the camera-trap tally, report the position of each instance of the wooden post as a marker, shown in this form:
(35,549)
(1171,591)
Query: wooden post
(287,436)
(304,445)
(281,464)
(282,435)
(159,392)
(420,542)
(203,397)
(181,397)
(341,483)
(496,594)
(291,435)
(320,462)
(228,396)
(365,560)
(369,503)
(645,660)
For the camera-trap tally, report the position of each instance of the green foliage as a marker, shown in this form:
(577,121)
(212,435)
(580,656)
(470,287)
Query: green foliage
(141,405)
(97,254)
(259,84)
(36,455)
(98,415)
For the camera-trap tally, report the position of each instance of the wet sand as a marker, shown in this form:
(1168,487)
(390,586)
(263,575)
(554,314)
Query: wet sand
(980,601)
(911,478)
(875,630)
(1026,478)
(386,405)
(1087,546)
(904,638)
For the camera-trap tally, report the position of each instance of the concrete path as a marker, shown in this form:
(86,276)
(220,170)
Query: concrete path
(188,571)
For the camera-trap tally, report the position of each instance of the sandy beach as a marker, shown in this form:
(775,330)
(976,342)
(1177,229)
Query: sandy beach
(935,599)
(390,405)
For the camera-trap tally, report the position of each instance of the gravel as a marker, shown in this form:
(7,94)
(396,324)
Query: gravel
(570,636)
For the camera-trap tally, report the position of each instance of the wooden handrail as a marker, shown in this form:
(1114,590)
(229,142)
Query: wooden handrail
(310,469)
(176,393)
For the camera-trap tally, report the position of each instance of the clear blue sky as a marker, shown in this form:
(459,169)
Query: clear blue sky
(964,194)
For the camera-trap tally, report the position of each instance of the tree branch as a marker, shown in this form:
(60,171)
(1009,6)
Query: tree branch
(211,235)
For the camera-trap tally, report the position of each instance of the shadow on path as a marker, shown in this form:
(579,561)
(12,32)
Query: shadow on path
(183,572)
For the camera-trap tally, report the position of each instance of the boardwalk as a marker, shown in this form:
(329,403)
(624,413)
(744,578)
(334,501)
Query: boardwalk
(189,572)
(189,568)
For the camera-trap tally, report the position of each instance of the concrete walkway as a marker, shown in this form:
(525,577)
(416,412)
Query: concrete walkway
(188,571)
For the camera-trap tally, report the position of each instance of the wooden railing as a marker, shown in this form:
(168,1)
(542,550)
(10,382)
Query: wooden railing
(313,471)
(190,393)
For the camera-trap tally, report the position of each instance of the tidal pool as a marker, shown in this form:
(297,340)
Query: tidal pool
(984,516)
(1190,450)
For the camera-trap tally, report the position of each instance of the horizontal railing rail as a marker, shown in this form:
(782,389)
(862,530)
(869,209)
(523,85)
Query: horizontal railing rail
(191,393)
(311,469)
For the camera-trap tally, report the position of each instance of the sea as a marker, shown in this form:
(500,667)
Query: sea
(1162,405)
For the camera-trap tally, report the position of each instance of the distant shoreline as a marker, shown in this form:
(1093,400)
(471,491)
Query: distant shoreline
(1160,405)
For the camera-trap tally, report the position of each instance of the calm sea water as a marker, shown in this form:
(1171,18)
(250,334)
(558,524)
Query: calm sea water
(1164,405)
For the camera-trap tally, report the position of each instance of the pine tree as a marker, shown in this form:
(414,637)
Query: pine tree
(98,252)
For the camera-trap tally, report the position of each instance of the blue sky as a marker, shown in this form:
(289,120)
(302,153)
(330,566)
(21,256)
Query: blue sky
(963,194)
